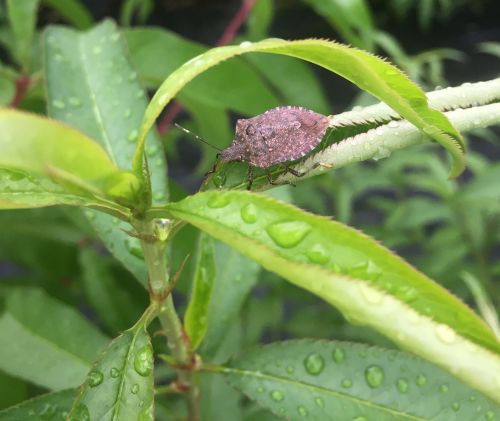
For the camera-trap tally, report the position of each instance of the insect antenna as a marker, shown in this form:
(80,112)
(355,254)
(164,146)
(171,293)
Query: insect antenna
(196,136)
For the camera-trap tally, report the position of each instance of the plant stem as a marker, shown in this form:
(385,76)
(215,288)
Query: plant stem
(156,263)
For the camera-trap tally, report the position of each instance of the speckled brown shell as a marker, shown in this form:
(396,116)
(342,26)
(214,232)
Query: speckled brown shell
(279,135)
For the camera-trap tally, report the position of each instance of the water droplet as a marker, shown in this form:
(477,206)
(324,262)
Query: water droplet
(318,254)
(393,124)
(445,333)
(152,150)
(59,58)
(114,372)
(133,245)
(90,214)
(218,201)
(490,415)
(290,369)
(132,76)
(374,376)
(455,406)
(260,389)
(95,378)
(381,153)
(80,413)
(421,380)
(245,44)
(277,396)
(320,402)
(48,411)
(59,104)
(314,363)
(143,361)
(403,385)
(302,411)
(75,101)
(140,93)
(346,383)
(360,419)
(134,389)
(288,234)
(132,136)
(146,414)
(444,388)
(219,179)
(249,213)
(127,113)
(97,50)
(338,355)
(472,398)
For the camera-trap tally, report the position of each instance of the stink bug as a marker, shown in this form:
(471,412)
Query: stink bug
(280,135)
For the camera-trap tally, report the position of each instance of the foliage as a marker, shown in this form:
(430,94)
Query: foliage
(99,239)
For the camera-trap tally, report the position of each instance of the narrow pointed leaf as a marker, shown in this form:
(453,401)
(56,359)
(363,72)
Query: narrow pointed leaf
(367,282)
(54,345)
(92,86)
(368,72)
(49,406)
(73,11)
(197,313)
(22,20)
(333,380)
(119,385)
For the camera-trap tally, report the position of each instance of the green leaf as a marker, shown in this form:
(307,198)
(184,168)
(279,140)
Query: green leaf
(367,282)
(73,11)
(196,317)
(13,391)
(316,379)
(22,19)
(120,384)
(7,90)
(236,276)
(351,19)
(156,53)
(44,341)
(107,293)
(368,72)
(49,406)
(92,86)
(260,19)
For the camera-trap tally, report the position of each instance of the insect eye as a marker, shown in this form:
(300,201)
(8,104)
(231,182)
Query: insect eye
(250,130)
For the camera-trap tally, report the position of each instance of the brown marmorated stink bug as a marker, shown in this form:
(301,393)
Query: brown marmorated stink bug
(278,136)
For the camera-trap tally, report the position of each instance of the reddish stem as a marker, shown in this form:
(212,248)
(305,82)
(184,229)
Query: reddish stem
(22,84)
(228,35)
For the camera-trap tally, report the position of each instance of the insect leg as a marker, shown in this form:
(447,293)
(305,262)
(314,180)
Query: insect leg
(294,172)
(250,177)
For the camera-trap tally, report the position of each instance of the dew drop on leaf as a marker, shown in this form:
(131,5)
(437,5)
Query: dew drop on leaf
(80,413)
(127,113)
(59,104)
(490,416)
(218,201)
(290,369)
(219,179)
(403,385)
(445,333)
(95,378)
(374,376)
(346,383)
(360,419)
(48,411)
(444,388)
(318,254)
(135,388)
(302,411)
(314,364)
(277,396)
(320,402)
(455,406)
(132,136)
(114,372)
(143,361)
(75,101)
(260,389)
(288,234)
(421,380)
(249,213)
(338,355)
